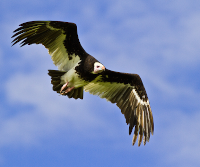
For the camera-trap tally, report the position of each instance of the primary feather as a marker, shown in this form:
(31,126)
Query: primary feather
(78,70)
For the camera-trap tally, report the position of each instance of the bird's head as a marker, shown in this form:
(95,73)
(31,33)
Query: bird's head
(98,68)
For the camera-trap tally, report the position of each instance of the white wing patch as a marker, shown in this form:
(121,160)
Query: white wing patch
(104,89)
(128,100)
(139,99)
(73,78)
(145,118)
(60,56)
(41,32)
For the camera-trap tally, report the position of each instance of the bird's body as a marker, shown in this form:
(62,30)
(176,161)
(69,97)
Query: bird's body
(78,71)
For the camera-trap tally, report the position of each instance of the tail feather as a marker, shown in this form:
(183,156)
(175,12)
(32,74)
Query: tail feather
(56,82)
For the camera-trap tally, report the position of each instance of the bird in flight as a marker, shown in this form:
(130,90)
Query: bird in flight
(78,71)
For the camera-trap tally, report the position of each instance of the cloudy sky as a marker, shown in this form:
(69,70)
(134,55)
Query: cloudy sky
(159,40)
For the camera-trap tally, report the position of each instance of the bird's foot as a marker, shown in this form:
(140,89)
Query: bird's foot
(64,90)
(67,90)
(64,87)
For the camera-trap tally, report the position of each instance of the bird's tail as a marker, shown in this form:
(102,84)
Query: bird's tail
(56,82)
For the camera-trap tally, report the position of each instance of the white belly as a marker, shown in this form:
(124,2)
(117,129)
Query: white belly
(72,77)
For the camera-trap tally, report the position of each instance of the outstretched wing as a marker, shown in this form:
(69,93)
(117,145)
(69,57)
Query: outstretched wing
(60,38)
(128,92)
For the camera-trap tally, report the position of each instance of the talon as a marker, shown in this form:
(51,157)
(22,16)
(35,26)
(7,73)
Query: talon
(68,89)
(63,87)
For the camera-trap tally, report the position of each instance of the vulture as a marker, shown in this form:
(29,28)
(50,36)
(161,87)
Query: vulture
(78,71)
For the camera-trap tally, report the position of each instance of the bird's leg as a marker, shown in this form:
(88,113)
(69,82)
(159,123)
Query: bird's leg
(67,90)
(64,87)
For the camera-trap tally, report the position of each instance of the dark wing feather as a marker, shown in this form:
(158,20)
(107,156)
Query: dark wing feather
(60,38)
(129,94)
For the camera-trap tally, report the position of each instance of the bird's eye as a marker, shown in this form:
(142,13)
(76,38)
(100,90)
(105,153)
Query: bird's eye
(98,66)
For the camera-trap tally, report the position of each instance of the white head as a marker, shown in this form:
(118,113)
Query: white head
(98,67)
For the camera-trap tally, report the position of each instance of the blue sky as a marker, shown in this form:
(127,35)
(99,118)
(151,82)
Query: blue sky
(159,40)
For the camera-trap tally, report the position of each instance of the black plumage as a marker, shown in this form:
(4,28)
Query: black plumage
(78,71)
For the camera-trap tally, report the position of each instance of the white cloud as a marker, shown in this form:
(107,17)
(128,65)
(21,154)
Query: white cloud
(123,10)
(1,58)
(157,40)
(177,137)
(50,112)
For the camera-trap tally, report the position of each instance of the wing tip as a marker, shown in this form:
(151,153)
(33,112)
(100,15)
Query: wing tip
(145,124)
